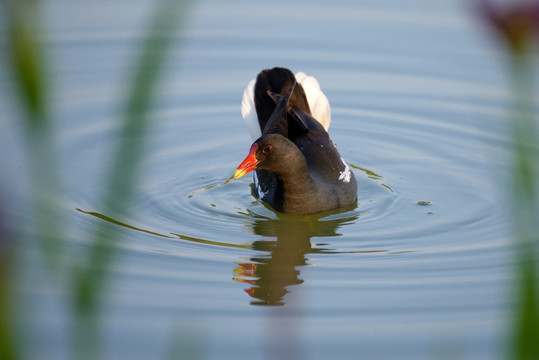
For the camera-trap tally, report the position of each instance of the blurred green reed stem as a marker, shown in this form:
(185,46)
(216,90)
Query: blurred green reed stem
(525,209)
(28,66)
(89,280)
(517,25)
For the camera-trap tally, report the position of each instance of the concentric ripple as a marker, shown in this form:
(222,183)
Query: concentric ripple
(401,161)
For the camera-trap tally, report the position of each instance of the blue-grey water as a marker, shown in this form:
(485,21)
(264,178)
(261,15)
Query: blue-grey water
(422,268)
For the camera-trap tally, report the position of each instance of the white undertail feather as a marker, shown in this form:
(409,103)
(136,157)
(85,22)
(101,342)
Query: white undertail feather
(248,111)
(318,102)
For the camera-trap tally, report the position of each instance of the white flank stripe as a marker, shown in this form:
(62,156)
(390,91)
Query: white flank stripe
(346,174)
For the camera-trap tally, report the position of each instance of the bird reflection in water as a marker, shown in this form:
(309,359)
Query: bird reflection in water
(277,265)
(276,268)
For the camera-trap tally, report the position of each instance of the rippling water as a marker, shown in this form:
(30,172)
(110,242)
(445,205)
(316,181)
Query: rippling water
(420,268)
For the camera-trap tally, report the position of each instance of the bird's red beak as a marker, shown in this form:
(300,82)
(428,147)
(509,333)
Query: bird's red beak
(249,164)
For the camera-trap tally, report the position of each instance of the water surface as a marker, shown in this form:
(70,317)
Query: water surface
(420,268)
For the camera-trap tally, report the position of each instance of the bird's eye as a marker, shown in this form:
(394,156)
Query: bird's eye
(268,149)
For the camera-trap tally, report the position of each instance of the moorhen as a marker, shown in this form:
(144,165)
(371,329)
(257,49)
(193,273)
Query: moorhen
(298,169)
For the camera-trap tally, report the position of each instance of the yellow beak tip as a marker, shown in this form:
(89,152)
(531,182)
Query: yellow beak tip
(238,174)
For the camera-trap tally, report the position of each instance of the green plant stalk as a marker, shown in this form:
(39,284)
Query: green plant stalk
(25,61)
(525,343)
(89,281)
(125,165)
(28,67)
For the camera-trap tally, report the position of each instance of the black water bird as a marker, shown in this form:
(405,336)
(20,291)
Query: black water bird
(298,169)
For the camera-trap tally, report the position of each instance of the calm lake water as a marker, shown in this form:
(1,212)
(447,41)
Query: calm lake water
(422,268)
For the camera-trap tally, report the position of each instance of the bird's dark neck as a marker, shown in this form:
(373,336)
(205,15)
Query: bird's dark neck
(297,186)
(298,182)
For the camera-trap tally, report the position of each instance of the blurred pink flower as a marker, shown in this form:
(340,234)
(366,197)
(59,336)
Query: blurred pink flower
(517,22)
